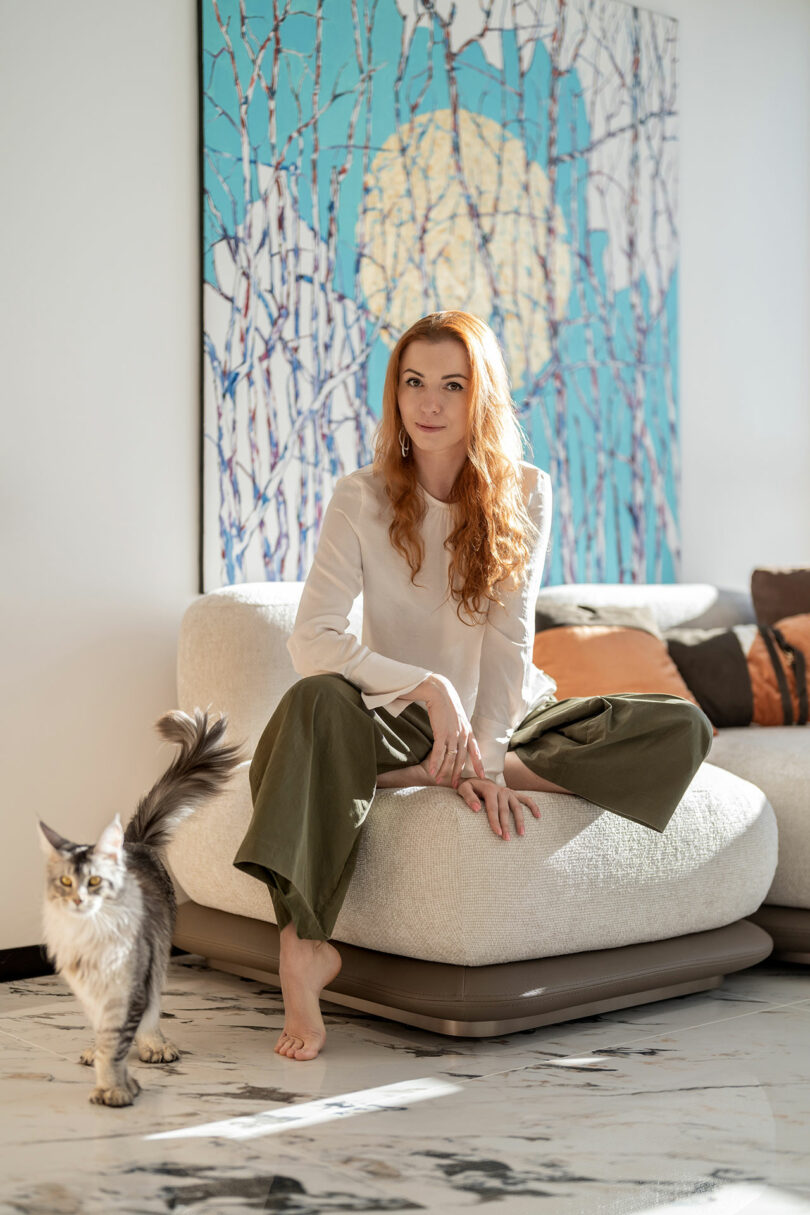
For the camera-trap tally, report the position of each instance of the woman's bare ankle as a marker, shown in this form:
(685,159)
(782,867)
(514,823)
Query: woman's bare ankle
(302,954)
(293,944)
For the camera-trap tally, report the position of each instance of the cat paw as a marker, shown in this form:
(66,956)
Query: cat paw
(118,1094)
(88,1056)
(158,1052)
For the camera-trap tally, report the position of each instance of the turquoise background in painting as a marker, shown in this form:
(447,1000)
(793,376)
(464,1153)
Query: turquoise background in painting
(479,92)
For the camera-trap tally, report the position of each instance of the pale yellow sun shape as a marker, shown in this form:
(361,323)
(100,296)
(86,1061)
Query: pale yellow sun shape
(434,238)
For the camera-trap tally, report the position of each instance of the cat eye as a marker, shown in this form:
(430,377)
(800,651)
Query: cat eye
(66,881)
(94,881)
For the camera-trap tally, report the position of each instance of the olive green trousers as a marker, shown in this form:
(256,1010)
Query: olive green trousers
(314,773)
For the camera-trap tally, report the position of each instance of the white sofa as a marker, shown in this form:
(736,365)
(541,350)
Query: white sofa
(587,912)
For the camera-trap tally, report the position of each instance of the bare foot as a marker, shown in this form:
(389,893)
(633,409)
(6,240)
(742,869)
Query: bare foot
(305,968)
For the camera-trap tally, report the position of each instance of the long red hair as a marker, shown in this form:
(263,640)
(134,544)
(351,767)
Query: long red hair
(492,534)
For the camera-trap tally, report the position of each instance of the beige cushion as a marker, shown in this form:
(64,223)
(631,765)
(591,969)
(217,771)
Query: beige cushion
(672,604)
(777,759)
(433,882)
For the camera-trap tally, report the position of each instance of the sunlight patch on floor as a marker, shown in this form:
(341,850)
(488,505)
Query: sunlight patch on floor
(744,1199)
(308,1113)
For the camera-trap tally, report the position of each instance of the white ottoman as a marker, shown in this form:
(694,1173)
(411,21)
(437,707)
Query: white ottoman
(587,911)
(580,879)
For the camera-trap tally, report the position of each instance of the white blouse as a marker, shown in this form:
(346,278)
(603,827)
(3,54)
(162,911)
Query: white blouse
(412,630)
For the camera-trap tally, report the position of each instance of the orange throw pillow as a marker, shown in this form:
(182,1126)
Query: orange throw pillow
(763,664)
(596,660)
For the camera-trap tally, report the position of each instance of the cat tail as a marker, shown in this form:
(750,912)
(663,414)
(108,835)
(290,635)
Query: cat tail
(201,770)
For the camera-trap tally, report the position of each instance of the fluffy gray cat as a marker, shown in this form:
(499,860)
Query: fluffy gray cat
(110,908)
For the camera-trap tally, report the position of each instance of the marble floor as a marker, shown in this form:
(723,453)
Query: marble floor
(700,1104)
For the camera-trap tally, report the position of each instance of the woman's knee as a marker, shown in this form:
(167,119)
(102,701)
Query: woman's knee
(674,720)
(316,706)
(324,684)
(703,728)
(695,725)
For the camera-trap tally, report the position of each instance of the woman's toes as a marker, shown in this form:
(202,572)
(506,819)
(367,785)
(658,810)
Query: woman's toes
(291,1046)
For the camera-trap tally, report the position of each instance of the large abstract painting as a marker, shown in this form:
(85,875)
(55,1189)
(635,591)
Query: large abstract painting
(369,161)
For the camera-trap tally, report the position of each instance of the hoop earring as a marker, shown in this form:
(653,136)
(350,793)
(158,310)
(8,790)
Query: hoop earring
(404,443)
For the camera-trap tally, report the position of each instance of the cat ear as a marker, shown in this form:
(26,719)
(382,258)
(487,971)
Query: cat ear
(111,840)
(51,841)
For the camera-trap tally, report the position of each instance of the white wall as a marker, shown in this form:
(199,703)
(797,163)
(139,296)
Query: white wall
(99,297)
(745,285)
(99,382)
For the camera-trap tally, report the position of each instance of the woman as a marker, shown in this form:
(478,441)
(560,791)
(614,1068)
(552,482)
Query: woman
(445,534)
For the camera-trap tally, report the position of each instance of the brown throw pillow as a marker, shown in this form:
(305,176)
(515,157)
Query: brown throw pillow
(779,593)
(599,651)
(714,664)
(749,674)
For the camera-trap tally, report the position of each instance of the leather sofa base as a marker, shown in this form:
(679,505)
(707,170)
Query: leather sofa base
(789,927)
(486,1001)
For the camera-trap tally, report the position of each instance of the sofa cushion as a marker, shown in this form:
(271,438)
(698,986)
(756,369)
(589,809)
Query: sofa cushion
(672,604)
(778,760)
(580,879)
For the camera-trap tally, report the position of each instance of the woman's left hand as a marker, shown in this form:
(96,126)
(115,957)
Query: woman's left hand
(499,802)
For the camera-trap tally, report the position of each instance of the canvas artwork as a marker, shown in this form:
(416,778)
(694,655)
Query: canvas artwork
(366,162)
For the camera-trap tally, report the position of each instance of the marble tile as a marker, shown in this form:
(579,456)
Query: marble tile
(771,982)
(123,1176)
(226,1057)
(227,1025)
(701,1100)
(664,1118)
(28,993)
(379,1041)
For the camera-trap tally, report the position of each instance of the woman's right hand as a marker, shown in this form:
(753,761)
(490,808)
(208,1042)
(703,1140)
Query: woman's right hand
(453,738)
